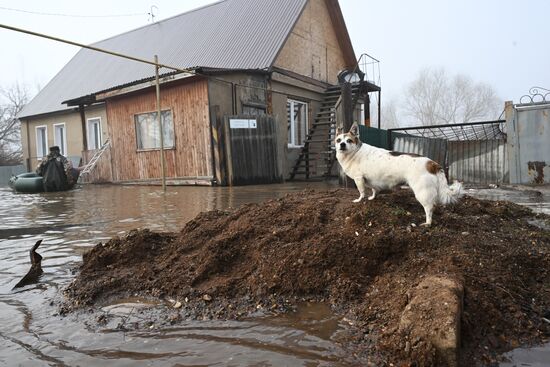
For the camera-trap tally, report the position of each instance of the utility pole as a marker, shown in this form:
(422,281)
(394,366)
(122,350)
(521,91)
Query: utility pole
(159,118)
(347,105)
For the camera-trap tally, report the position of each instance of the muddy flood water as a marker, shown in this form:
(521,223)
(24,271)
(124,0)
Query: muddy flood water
(69,223)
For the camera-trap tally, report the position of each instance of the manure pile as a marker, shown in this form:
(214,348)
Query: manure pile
(363,259)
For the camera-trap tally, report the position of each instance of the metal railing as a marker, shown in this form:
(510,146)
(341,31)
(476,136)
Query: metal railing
(369,66)
(536,95)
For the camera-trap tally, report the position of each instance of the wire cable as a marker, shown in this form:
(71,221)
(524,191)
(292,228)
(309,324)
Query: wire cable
(73,15)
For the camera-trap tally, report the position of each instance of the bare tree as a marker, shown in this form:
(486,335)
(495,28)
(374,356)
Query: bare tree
(434,98)
(12,101)
(391,114)
(390,117)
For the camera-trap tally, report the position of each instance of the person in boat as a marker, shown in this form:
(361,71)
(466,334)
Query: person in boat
(57,171)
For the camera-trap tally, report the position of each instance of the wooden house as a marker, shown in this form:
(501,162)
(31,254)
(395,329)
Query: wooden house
(262,77)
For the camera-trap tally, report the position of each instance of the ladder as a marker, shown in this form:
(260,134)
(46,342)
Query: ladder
(91,164)
(318,154)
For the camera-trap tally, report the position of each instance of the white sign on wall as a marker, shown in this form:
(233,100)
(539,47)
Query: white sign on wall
(242,124)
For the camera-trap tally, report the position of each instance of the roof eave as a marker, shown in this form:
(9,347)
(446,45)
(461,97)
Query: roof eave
(214,71)
(45,114)
(126,88)
(344,39)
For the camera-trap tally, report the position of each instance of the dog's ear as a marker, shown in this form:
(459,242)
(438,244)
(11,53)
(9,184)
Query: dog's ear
(339,130)
(354,129)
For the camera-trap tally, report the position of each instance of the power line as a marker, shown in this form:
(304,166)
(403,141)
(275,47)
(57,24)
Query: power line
(73,15)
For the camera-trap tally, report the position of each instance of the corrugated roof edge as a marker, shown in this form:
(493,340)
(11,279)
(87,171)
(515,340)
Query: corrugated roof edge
(201,71)
(73,101)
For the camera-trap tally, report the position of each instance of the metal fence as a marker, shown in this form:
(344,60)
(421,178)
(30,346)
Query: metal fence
(7,171)
(470,152)
(529,137)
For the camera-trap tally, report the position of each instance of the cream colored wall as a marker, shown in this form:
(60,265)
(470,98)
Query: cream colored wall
(312,48)
(73,129)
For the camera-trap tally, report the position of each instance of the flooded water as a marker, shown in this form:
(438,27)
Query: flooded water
(536,198)
(69,223)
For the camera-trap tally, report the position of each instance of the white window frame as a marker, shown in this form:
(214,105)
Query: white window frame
(63,147)
(44,153)
(98,143)
(293,124)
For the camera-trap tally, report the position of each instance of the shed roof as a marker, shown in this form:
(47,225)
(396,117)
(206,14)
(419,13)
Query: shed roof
(229,34)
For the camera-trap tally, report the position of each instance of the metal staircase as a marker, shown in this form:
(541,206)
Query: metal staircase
(91,164)
(318,155)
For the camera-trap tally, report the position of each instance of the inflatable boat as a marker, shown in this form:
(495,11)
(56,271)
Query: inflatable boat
(27,182)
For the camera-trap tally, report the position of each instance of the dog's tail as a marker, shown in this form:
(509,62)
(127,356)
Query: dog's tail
(448,194)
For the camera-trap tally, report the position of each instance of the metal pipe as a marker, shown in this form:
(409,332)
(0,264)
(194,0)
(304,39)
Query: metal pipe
(233,99)
(94,48)
(366,54)
(447,125)
(379,108)
(157,85)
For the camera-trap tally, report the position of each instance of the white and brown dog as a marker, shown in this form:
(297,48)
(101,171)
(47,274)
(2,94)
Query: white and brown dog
(381,169)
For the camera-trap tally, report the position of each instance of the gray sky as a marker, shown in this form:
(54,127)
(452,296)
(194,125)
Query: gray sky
(500,42)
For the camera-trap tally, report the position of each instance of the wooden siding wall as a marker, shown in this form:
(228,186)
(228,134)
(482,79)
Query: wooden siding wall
(191,157)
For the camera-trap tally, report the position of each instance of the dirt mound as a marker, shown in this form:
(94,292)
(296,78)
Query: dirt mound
(362,258)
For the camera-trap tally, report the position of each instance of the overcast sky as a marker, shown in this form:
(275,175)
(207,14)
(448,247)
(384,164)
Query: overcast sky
(500,42)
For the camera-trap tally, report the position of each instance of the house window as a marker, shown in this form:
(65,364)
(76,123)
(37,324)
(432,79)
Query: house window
(41,141)
(94,133)
(147,130)
(60,137)
(297,122)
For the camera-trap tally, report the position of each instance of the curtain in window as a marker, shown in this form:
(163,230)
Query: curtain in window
(147,131)
(41,142)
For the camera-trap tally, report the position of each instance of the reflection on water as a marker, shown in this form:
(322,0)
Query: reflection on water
(536,198)
(532,357)
(71,222)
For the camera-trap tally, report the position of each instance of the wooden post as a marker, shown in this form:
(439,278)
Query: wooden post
(217,143)
(157,84)
(347,106)
(84,129)
(367,110)
(307,159)
(228,152)
(379,108)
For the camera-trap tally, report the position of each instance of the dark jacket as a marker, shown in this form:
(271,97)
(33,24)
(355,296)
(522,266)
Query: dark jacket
(53,170)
